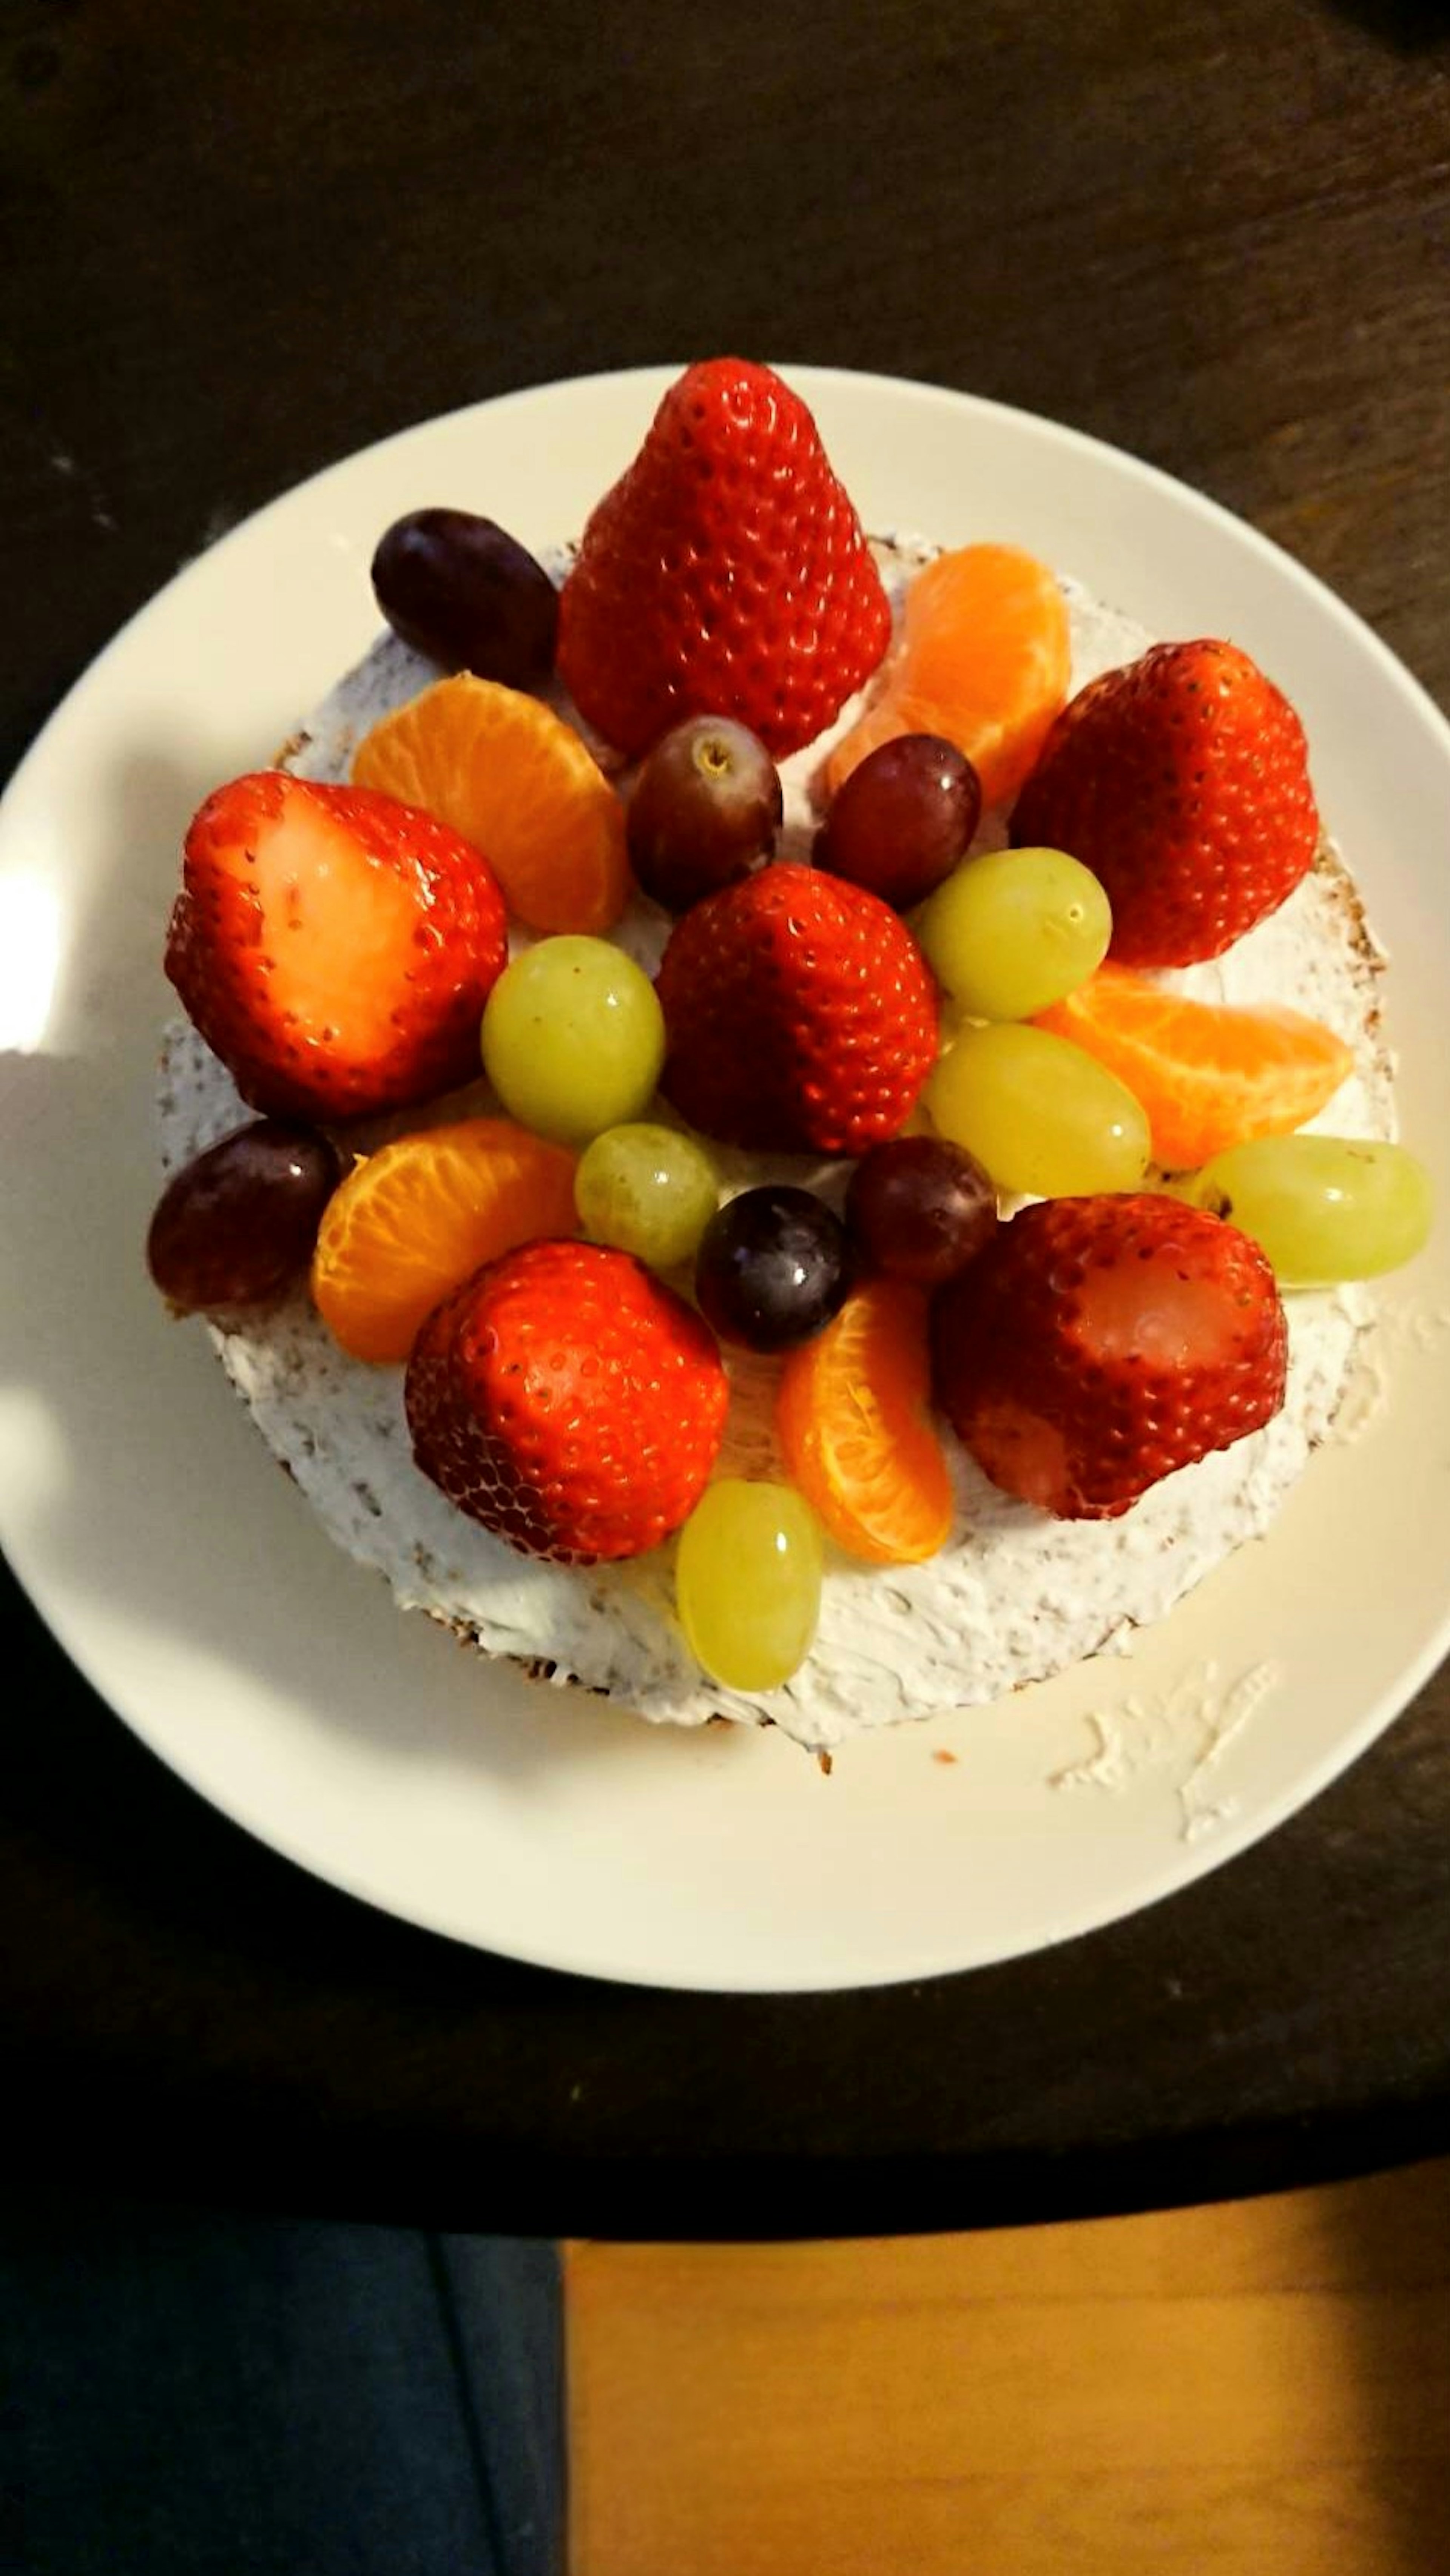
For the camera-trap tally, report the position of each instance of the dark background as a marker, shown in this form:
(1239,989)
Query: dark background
(237,242)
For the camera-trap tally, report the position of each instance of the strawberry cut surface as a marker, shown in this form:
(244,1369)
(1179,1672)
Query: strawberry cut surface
(1182,782)
(800,1015)
(569,1401)
(1099,1344)
(334,948)
(725,574)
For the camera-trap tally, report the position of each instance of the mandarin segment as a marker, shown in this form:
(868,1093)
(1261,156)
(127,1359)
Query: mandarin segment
(983,658)
(855,1432)
(1208,1074)
(419,1216)
(509,775)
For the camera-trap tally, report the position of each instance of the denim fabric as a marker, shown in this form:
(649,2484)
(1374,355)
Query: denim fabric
(188,2395)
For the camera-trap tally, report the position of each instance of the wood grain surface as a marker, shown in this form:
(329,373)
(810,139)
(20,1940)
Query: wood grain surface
(1266,2383)
(240,242)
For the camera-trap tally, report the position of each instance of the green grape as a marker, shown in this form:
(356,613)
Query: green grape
(1041,1115)
(647,1190)
(748,1582)
(573,1038)
(1323,1208)
(1015,930)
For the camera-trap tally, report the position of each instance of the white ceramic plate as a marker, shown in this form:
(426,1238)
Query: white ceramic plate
(188,1579)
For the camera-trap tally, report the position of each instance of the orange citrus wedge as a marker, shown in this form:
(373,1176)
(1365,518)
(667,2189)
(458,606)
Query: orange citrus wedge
(518,782)
(854,1428)
(1209,1075)
(983,657)
(413,1221)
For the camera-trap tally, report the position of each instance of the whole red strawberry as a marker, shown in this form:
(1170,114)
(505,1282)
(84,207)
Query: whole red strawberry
(334,947)
(1099,1343)
(800,1015)
(1181,782)
(568,1400)
(725,574)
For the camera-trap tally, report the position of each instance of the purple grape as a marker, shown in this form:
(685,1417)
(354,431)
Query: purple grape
(920,1208)
(236,1227)
(466,594)
(772,1269)
(903,819)
(706,807)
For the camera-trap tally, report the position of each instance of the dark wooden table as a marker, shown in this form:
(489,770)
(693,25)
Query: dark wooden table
(244,240)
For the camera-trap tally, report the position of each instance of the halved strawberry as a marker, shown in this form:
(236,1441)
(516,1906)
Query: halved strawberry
(334,947)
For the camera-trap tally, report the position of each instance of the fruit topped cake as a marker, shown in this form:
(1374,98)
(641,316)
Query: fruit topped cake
(780,1123)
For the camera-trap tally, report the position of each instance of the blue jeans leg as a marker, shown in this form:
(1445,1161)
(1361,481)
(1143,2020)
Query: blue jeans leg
(189,2395)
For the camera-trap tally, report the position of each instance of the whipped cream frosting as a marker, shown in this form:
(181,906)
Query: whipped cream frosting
(1015,1595)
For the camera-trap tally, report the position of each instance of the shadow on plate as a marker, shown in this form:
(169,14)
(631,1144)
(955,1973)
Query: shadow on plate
(142,1490)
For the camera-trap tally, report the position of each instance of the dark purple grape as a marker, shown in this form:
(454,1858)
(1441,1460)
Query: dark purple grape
(706,806)
(773,1267)
(903,819)
(469,596)
(236,1226)
(920,1208)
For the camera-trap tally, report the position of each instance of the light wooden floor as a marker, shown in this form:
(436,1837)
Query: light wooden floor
(1217,2392)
